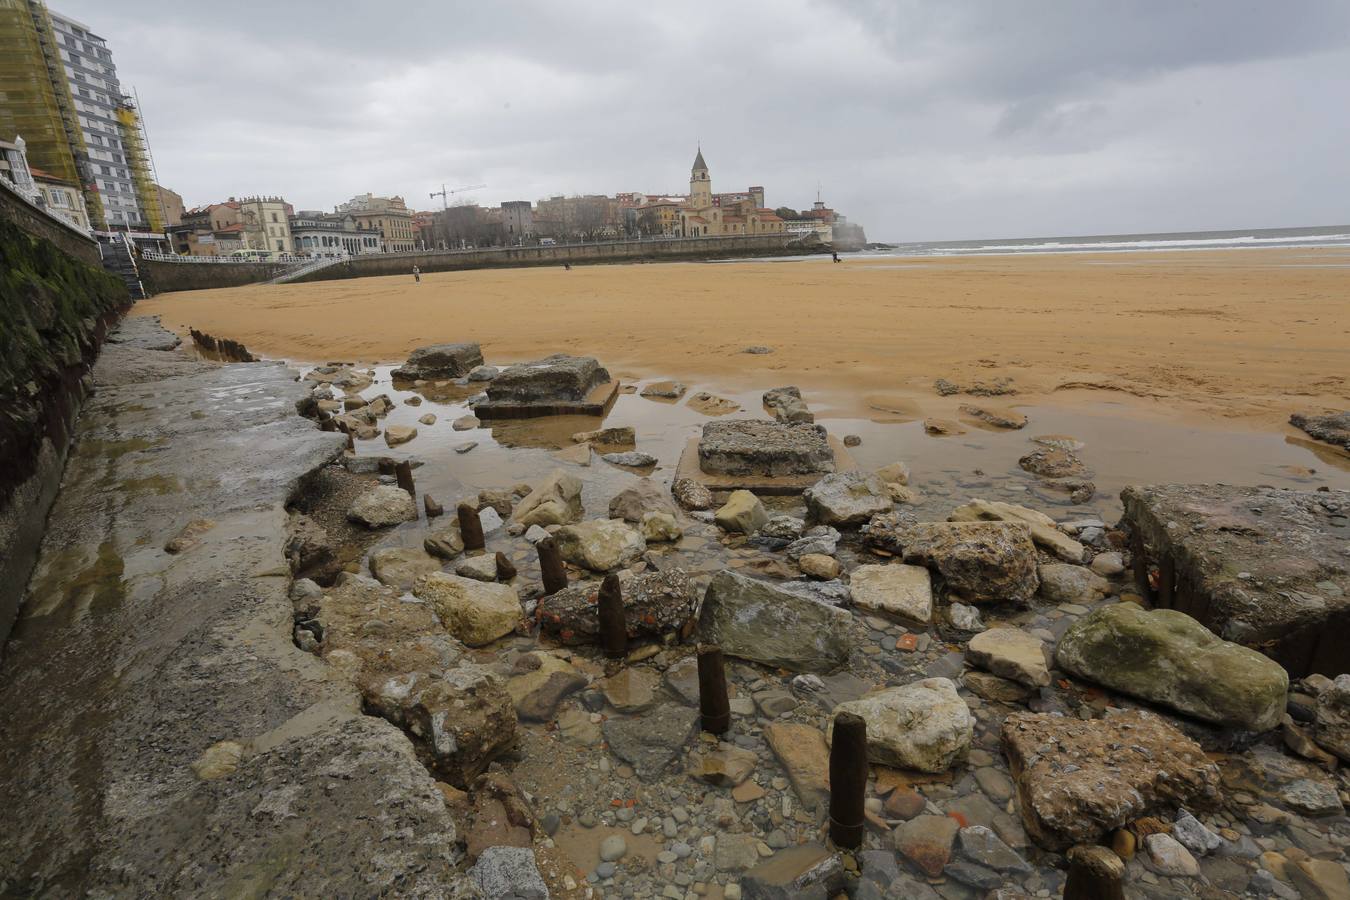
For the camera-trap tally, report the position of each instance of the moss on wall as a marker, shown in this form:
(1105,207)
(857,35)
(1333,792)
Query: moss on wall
(54,311)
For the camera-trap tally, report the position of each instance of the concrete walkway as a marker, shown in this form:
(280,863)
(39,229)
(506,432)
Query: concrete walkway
(130,661)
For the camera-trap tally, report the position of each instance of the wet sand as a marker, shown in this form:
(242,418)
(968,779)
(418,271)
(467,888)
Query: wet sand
(1249,335)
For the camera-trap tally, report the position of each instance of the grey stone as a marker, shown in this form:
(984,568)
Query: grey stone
(1064,583)
(613,848)
(761,448)
(846,498)
(382,506)
(804,871)
(634,459)
(483,373)
(649,743)
(759,621)
(440,361)
(1313,798)
(924,725)
(980,845)
(1194,836)
(509,873)
(638,499)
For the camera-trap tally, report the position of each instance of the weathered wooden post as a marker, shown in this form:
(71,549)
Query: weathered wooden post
(713,704)
(848,780)
(470,527)
(551,565)
(1095,873)
(613,626)
(433,508)
(506,570)
(403,472)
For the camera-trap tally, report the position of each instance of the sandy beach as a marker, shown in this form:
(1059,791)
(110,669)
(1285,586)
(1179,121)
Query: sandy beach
(1249,335)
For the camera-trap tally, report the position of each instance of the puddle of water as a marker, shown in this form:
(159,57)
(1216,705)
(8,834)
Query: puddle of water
(1120,447)
(582,845)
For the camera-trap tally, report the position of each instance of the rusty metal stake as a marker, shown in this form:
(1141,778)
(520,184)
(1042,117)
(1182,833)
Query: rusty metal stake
(1095,873)
(470,527)
(713,705)
(506,570)
(403,472)
(613,627)
(848,780)
(551,565)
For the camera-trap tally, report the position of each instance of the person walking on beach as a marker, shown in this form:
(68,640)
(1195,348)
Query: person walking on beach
(417,275)
(836,256)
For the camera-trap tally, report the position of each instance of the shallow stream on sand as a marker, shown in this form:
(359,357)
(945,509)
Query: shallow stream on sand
(1120,447)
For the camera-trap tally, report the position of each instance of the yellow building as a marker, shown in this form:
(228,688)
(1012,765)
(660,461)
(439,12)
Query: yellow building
(720,215)
(389,216)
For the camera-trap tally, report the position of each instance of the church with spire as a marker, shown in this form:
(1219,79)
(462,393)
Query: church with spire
(705,214)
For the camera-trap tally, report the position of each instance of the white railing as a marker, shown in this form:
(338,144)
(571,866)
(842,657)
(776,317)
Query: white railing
(313,265)
(182,258)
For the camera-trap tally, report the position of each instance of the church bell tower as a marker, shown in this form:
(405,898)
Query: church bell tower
(700,183)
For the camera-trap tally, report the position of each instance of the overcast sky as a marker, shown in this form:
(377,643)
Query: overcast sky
(918,120)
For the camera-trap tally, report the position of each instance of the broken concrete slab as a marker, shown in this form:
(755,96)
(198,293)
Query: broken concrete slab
(763,448)
(552,386)
(440,361)
(1266,568)
(1332,428)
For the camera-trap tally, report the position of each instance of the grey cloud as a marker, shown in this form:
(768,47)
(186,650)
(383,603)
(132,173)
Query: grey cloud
(921,120)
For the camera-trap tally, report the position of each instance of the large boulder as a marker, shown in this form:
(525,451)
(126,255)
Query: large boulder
(743,512)
(557,378)
(476,612)
(554,501)
(898,590)
(981,562)
(601,545)
(1077,780)
(757,447)
(655,604)
(1166,657)
(638,499)
(1044,532)
(465,720)
(760,621)
(846,498)
(440,361)
(383,505)
(924,725)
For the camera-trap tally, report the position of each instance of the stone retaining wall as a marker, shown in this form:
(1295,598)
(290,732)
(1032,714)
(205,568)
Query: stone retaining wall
(163,277)
(54,312)
(34,221)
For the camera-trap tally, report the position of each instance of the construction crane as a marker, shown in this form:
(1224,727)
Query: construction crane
(445,194)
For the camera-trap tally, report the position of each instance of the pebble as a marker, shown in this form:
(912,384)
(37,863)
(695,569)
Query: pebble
(613,847)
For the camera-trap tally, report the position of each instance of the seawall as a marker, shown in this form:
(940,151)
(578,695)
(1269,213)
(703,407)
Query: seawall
(163,277)
(55,308)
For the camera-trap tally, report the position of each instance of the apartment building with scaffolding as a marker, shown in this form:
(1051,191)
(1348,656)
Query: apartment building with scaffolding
(64,98)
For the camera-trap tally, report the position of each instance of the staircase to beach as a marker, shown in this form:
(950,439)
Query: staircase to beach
(119,259)
(322,262)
